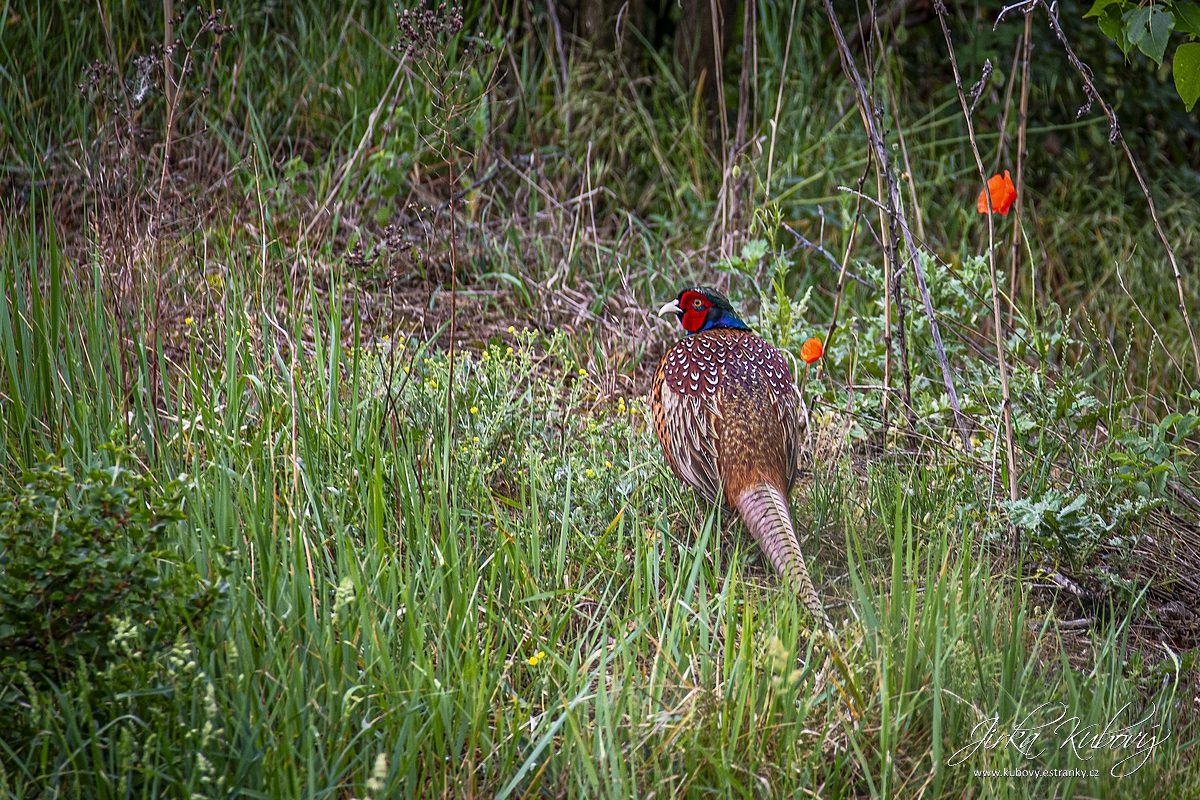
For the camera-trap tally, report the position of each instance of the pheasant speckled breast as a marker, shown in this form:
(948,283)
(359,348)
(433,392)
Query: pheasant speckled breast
(727,415)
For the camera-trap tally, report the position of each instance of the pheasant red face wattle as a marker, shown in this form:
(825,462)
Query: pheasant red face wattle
(695,310)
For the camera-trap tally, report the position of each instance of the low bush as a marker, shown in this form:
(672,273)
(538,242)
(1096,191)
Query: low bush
(81,558)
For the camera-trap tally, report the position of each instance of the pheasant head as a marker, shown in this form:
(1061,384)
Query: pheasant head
(702,309)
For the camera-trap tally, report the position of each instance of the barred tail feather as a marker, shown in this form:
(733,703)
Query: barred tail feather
(764,510)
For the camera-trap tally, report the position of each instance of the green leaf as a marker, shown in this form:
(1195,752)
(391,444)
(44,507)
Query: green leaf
(1099,6)
(753,250)
(1112,26)
(1187,18)
(1186,69)
(1154,44)
(1136,21)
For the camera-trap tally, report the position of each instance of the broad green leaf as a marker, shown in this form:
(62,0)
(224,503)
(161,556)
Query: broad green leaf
(1099,6)
(1135,26)
(754,250)
(1149,28)
(1112,26)
(1187,18)
(1154,44)
(1187,73)
(1136,20)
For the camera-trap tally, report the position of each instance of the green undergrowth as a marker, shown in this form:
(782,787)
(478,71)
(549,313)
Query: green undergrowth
(300,580)
(268,120)
(522,603)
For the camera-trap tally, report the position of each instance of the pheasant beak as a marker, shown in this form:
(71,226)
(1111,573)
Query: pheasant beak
(670,308)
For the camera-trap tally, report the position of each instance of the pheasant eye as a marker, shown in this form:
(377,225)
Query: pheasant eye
(698,304)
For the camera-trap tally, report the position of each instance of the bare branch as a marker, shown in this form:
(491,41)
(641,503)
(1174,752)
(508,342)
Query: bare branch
(1006,410)
(867,110)
(1114,135)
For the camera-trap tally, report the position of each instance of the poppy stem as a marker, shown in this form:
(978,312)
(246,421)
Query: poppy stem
(1010,449)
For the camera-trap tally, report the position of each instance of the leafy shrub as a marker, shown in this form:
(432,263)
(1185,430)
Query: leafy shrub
(1071,530)
(76,557)
(1147,462)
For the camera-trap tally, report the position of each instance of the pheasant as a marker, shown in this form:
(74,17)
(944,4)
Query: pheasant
(728,418)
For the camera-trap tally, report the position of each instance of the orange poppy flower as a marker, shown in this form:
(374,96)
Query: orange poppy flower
(811,350)
(1004,194)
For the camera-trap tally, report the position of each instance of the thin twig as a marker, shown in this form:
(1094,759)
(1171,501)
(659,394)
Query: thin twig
(880,148)
(889,269)
(908,170)
(1008,93)
(892,271)
(837,300)
(787,49)
(743,117)
(1027,5)
(726,154)
(838,265)
(1001,362)
(1022,125)
(1114,136)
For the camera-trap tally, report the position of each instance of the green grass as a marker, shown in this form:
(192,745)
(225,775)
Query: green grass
(292,88)
(375,610)
(391,578)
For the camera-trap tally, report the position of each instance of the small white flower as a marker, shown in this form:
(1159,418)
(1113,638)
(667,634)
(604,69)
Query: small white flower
(375,783)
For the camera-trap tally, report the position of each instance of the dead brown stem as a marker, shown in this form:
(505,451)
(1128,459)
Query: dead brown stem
(883,164)
(1022,125)
(1011,453)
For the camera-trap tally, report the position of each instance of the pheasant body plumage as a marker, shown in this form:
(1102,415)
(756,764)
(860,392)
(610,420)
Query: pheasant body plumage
(728,418)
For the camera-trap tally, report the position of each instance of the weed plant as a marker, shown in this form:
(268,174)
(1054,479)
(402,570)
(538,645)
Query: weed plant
(559,617)
(508,594)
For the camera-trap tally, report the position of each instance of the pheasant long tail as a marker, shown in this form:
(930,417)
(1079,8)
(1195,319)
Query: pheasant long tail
(764,511)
